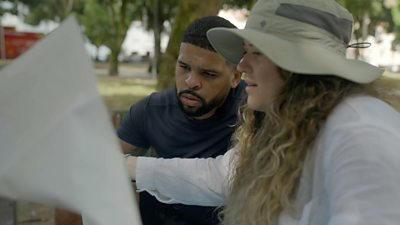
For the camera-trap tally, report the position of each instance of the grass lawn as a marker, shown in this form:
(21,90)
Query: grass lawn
(121,92)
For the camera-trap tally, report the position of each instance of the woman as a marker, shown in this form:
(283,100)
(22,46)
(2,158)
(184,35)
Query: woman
(314,146)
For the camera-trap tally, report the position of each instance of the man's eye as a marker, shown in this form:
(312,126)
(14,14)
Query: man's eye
(209,74)
(257,53)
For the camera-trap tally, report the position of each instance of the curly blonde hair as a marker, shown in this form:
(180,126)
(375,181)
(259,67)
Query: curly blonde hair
(273,146)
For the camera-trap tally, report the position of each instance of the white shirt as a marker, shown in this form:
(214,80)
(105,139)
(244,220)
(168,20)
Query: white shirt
(199,181)
(351,178)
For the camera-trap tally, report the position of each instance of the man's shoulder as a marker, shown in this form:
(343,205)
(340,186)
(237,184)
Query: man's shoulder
(238,95)
(165,97)
(239,92)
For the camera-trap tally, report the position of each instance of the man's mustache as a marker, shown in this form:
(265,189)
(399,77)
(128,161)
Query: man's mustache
(191,92)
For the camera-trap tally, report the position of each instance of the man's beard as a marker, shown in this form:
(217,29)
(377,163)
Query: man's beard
(203,109)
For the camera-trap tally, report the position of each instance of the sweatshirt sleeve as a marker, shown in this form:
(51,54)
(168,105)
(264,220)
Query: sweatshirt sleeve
(198,181)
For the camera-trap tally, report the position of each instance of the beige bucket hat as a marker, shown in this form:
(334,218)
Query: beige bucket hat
(302,36)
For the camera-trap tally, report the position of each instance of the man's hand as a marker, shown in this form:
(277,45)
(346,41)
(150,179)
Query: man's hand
(130,164)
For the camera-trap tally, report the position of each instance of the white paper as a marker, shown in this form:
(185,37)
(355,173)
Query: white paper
(57,144)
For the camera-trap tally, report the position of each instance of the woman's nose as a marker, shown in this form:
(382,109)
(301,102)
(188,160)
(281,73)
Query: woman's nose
(243,66)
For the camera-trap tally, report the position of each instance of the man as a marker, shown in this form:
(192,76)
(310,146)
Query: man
(194,119)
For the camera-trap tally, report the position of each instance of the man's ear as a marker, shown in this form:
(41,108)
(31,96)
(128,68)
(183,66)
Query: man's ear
(237,76)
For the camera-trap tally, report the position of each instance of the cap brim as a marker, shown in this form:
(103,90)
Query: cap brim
(299,57)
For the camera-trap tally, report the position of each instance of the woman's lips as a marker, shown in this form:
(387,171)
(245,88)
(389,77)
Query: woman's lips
(251,86)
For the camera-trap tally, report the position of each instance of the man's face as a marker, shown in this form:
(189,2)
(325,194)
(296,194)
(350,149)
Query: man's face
(203,80)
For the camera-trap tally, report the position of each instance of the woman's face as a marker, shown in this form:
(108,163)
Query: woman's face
(264,81)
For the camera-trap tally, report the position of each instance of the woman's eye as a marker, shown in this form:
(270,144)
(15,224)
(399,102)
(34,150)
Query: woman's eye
(257,53)
(185,67)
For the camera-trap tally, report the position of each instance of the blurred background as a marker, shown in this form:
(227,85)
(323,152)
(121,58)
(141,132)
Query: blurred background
(134,45)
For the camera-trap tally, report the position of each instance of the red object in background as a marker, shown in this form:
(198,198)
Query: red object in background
(14,43)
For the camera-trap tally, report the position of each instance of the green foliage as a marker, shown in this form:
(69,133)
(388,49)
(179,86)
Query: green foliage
(395,11)
(371,12)
(12,9)
(56,10)
(115,17)
(106,22)
(95,22)
(166,11)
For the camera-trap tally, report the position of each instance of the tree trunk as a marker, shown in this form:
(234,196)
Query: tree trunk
(118,32)
(113,63)
(157,38)
(364,33)
(97,58)
(189,10)
(357,35)
(115,48)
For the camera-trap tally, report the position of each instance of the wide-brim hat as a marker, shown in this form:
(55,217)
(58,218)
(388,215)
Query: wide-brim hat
(301,36)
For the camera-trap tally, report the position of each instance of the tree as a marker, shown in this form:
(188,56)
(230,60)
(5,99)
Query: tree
(391,15)
(8,8)
(155,14)
(120,14)
(95,22)
(55,10)
(115,17)
(396,22)
(107,21)
(367,14)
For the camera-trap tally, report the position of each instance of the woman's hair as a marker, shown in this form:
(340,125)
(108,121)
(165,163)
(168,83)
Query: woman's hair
(273,146)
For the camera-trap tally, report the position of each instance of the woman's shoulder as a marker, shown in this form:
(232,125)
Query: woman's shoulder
(364,109)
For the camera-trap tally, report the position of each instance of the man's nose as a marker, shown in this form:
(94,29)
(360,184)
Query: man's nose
(193,81)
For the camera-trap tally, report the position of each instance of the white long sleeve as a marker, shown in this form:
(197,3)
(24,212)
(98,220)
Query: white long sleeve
(199,181)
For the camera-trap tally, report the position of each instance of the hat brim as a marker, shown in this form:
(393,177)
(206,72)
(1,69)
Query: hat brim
(299,57)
